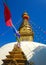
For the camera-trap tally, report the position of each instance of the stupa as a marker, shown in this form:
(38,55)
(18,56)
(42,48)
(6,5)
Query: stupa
(17,56)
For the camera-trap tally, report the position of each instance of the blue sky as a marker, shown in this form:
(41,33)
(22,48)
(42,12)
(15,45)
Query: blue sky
(36,9)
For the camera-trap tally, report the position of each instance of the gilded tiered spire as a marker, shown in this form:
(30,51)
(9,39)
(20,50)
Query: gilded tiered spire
(15,57)
(25,29)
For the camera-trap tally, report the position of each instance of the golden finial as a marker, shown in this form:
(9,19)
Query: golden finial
(25,15)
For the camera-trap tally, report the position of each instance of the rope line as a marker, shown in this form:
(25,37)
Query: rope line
(18,21)
(38,30)
(5,32)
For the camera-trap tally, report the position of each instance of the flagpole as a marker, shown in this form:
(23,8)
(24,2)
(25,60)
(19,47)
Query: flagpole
(18,40)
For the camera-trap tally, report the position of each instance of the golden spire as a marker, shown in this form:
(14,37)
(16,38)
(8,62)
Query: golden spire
(25,29)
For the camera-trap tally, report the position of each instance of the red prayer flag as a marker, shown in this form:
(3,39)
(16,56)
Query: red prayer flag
(8,20)
(7,15)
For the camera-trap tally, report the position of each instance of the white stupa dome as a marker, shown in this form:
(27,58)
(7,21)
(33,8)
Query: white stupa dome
(35,52)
